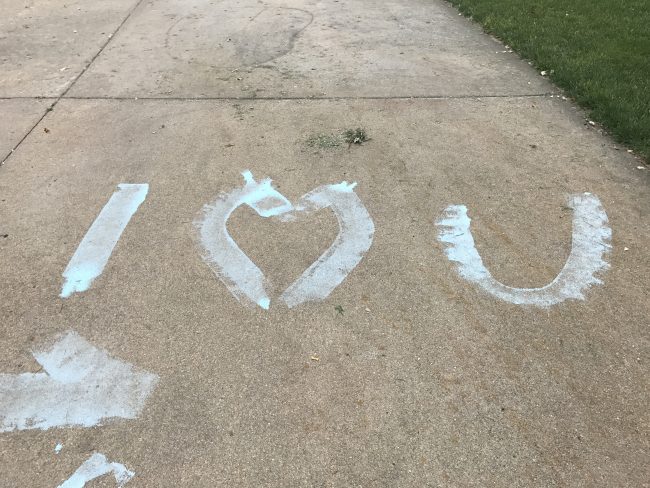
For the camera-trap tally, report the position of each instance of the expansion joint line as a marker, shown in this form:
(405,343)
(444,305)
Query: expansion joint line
(74,81)
(314,99)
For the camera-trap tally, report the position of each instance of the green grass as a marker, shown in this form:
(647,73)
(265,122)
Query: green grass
(598,51)
(355,136)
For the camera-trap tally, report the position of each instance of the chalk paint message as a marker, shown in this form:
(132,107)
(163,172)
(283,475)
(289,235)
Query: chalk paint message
(96,466)
(590,242)
(96,247)
(245,280)
(80,386)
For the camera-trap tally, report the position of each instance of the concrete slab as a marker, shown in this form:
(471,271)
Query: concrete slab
(45,45)
(18,117)
(303,48)
(422,380)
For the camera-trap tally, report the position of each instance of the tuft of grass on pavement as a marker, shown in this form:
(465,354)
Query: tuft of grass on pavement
(328,141)
(598,51)
(324,141)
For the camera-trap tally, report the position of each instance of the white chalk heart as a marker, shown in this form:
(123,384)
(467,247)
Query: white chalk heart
(245,280)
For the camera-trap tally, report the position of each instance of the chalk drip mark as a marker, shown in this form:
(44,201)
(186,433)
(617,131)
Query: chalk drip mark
(245,280)
(590,242)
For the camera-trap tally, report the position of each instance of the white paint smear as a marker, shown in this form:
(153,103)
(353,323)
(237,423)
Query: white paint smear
(96,247)
(80,386)
(352,242)
(245,280)
(590,242)
(96,466)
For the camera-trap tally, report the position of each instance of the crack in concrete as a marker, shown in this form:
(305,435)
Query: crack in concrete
(65,92)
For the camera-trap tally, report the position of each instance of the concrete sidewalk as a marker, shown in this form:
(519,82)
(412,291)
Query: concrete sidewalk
(413,370)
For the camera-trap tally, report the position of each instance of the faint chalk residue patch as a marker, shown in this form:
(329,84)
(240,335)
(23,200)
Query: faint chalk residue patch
(215,37)
(270,34)
(590,242)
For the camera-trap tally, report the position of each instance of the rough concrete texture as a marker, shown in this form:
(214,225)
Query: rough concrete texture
(45,45)
(18,117)
(423,379)
(303,48)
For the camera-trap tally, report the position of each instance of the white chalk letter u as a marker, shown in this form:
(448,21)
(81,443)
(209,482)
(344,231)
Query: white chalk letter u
(590,242)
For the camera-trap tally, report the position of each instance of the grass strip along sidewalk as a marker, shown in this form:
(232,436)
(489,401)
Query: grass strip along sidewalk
(598,51)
